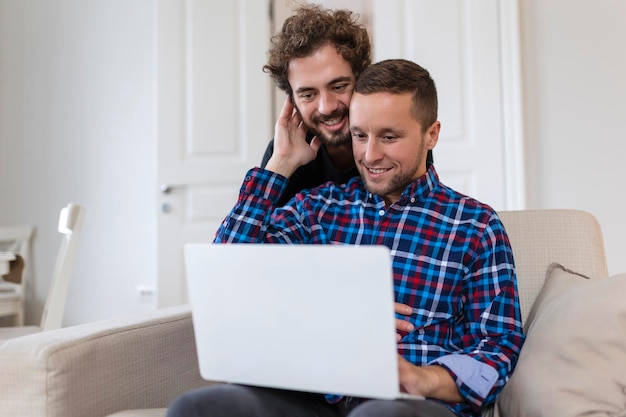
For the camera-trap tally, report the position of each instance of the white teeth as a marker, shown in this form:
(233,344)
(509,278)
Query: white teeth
(377,171)
(331,122)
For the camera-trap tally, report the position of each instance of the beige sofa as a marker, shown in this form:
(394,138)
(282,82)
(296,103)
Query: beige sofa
(141,363)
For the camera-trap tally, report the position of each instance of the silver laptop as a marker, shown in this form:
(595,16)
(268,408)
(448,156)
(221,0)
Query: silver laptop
(316,318)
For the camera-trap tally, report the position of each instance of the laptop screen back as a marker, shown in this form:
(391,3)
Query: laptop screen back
(317,318)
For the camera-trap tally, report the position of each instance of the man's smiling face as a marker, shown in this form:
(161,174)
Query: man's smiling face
(388,143)
(322,85)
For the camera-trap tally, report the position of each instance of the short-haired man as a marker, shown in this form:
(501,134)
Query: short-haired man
(451,258)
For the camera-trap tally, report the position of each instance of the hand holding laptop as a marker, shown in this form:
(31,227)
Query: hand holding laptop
(428,381)
(421,380)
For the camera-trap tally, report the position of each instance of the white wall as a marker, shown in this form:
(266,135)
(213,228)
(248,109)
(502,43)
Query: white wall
(77,124)
(574,61)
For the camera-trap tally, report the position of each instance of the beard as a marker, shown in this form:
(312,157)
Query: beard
(333,139)
(395,185)
(399,182)
(329,139)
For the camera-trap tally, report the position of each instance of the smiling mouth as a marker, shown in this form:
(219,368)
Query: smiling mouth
(378,170)
(332,122)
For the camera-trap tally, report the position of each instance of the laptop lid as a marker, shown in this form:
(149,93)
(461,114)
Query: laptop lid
(316,318)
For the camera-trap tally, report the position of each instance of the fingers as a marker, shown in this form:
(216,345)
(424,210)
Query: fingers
(286,112)
(296,122)
(291,149)
(315,144)
(404,326)
(403,309)
(289,127)
(289,118)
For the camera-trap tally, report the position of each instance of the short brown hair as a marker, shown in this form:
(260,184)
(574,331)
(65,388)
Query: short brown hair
(310,28)
(401,76)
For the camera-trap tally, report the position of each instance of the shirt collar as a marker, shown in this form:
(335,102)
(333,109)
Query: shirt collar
(421,188)
(418,190)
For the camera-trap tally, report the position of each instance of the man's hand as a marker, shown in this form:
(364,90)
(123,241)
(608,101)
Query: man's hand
(403,326)
(291,149)
(432,381)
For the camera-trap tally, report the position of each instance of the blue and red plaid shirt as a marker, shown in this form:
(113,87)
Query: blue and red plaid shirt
(452,262)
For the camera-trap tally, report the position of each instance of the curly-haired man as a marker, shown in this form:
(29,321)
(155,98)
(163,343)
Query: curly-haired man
(315,59)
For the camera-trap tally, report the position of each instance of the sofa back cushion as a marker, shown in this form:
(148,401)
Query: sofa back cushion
(541,237)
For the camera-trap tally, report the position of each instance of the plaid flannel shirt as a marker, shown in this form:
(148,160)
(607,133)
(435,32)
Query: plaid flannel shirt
(452,262)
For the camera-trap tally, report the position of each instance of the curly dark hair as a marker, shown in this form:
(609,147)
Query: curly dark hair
(310,28)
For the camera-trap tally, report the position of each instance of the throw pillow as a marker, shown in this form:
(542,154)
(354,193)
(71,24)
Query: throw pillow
(574,360)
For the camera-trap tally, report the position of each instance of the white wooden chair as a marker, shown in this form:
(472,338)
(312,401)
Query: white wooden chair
(15,239)
(70,226)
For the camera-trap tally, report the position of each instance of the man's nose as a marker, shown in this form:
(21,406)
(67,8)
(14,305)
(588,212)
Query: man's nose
(327,103)
(372,151)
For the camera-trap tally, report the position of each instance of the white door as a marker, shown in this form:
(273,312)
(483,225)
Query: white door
(213,120)
(471,50)
(214,103)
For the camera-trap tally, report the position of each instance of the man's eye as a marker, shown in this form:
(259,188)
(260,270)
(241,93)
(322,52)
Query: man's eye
(340,87)
(307,96)
(358,135)
(389,138)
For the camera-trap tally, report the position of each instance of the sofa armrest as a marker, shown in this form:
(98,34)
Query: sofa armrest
(95,369)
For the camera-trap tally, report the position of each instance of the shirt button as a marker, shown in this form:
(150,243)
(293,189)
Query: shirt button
(248,178)
(381,212)
(412,199)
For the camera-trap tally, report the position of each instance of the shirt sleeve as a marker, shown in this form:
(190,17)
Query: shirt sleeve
(477,376)
(493,327)
(255,217)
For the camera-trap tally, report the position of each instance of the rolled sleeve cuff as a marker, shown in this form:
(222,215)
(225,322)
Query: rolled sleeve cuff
(477,376)
(264,184)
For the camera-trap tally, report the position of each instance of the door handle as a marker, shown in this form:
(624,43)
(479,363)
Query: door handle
(168,188)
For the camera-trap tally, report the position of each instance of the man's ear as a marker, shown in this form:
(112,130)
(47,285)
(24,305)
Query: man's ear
(432,135)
